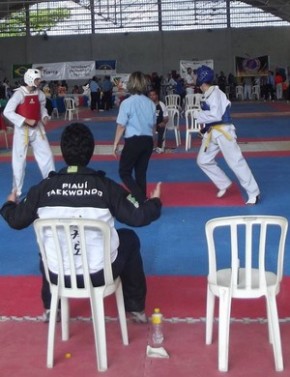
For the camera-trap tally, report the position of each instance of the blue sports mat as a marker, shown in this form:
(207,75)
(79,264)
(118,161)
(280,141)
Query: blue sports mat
(175,244)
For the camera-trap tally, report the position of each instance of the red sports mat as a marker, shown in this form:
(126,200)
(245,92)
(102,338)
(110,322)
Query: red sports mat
(203,194)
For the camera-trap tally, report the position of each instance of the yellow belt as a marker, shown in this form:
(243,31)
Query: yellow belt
(26,135)
(217,127)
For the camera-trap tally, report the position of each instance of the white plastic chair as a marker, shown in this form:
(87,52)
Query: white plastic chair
(173,101)
(239,92)
(239,250)
(70,108)
(64,237)
(173,125)
(192,101)
(192,127)
(256,92)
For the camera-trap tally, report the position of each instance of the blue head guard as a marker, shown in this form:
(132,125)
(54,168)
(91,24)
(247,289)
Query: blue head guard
(205,75)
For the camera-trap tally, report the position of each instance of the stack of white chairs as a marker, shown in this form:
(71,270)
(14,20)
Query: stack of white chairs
(192,127)
(173,125)
(62,237)
(246,255)
(70,108)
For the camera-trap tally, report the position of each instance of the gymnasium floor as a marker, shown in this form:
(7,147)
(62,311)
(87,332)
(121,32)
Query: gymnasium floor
(175,260)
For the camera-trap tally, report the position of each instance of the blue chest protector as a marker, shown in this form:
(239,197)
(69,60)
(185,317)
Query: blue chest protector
(226,117)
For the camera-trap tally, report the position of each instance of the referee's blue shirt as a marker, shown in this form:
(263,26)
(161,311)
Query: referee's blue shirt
(138,115)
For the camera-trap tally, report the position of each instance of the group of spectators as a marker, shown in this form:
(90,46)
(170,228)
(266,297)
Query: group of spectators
(273,86)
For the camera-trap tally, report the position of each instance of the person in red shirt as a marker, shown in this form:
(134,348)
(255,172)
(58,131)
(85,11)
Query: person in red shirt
(278,84)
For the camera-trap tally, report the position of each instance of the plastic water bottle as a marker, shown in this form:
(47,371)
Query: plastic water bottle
(157,328)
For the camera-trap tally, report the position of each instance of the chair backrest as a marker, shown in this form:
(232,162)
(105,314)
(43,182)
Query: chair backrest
(249,247)
(197,100)
(173,100)
(63,243)
(173,118)
(190,120)
(239,90)
(256,90)
(69,103)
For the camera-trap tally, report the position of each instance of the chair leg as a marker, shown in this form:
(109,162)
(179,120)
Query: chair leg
(65,317)
(210,303)
(51,330)
(122,314)
(276,337)
(224,327)
(270,326)
(6,140)
(98,316)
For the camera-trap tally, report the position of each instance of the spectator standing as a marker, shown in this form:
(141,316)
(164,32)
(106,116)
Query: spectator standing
(279,85)
(107,89)
(95,94)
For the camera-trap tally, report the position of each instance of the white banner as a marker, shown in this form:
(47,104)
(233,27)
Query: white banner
(194,64)
(79,70)
(51,71)
(83,70)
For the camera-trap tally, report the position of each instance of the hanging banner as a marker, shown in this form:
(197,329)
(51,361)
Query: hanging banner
(83,70)
(194,64)
(51,71)
(79,70)
(252,66)
(106,67)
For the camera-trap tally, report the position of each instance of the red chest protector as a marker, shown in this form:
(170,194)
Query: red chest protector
(30,108)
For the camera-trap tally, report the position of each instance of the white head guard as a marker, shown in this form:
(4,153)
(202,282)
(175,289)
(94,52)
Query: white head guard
(31,75)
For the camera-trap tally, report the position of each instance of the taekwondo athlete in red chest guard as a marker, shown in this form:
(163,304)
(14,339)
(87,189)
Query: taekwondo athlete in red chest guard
(26,110)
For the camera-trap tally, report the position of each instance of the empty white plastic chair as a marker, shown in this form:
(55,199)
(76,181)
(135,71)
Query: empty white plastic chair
(173,125)
(256,92)
(239,92)
(246,256)
(70,108)
(173,101)
(64,237)
(192,127)
(192,101)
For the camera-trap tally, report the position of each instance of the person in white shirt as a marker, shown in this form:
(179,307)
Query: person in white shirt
(189,81)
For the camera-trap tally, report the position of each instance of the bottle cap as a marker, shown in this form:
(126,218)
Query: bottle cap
(156,318)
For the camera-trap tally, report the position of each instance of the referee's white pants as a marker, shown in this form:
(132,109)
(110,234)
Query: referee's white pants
(233,157)
(43,155)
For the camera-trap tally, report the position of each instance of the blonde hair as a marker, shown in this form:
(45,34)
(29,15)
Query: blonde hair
(137,83)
